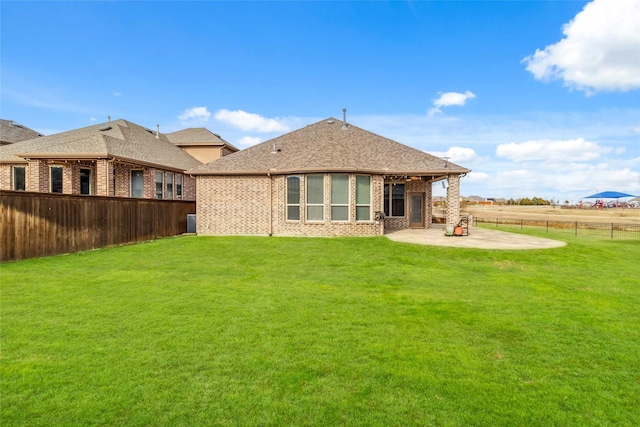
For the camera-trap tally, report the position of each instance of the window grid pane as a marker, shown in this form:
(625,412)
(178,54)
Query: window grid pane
(363,198)
(293,198)
(159,185)
(315,197)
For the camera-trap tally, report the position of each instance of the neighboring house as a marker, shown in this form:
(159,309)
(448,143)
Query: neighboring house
(327,179)
(117,159)
(201,143)
(11,132)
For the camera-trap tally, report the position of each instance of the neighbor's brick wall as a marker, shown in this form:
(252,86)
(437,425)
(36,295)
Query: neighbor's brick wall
(6,176)
(232,205)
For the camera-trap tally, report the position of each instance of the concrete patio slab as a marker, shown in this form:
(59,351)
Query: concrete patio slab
(480,238)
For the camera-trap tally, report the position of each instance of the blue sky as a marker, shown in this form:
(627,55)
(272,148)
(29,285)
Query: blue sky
(538,98)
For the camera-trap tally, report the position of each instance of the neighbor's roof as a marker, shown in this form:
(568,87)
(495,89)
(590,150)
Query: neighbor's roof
(117,139)
(12,132)
(198,136)
(326,147)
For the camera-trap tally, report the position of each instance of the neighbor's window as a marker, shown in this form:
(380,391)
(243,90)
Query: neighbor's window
(169,185)
(56,179)
(178,186)
(394,200)
(363,198)
(19,178)
(137,183)
(159,185)
(85,181)
(339,197)
(293,198)
(315,197)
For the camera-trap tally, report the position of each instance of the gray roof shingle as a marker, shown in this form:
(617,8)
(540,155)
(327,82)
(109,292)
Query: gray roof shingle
(326,147)
(120,139)
(12,132)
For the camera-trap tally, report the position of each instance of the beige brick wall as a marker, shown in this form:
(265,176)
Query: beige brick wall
(233,205)
(242,205)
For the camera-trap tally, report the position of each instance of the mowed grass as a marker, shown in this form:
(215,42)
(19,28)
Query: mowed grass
(347,331)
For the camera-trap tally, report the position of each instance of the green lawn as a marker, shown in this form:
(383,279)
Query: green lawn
(349,331)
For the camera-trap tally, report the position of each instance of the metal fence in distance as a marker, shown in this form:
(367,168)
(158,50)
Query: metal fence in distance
(608,230)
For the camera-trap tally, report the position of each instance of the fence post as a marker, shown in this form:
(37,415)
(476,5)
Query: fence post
(521,222)
(612,230)
(576,228)
(547,226)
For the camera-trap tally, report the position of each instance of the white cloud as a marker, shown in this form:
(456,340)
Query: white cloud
(600,51)
(195,113)
(249,121)
(572,150)
(459,155)
(117,93)
(449,99)
(248,141)
(93,119)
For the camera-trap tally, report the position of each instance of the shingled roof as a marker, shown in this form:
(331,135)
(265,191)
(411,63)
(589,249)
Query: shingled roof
(327,147)
(198,136)
(118,139)
(12,132)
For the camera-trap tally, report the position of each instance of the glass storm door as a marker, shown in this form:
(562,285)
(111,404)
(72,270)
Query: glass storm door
(417,210)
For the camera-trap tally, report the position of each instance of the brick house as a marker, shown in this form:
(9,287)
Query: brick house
(11,132)
(326,179)
(202,144)
(117,159)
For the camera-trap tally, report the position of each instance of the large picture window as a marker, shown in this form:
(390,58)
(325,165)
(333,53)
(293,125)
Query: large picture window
(315,197)
(19,178)
(394,200)
(363,198)
(55,174)
(137,183)
(339,197)
(293,198)
(159,185)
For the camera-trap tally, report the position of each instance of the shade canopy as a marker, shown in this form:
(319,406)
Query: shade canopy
(609,195)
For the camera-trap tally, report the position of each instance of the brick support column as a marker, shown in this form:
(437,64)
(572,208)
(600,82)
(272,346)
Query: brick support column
(104,178)
(453,200)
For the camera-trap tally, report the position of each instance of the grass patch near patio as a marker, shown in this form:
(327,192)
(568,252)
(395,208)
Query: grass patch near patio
(300,331)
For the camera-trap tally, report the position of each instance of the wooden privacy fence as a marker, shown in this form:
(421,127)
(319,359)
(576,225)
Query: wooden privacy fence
(41,224)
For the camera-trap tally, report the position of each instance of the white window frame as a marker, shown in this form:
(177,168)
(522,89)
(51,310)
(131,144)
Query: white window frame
(168,177)
(288,201)
(314,204)
(131,183)
(179,182)
(362,205)
(160,175)
(340,205)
